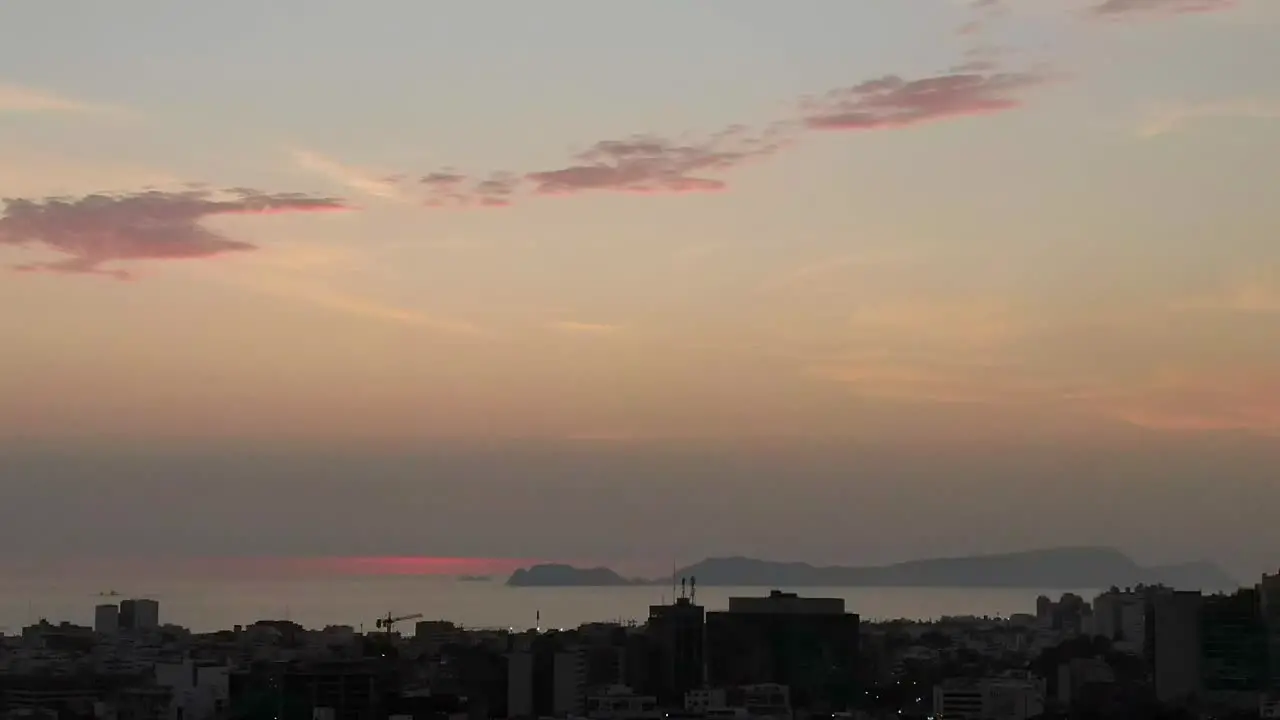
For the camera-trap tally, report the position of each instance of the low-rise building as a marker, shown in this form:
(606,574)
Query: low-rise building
(989,699)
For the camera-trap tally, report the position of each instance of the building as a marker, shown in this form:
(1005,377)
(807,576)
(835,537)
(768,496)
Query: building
(520,684)
(766,700)
(1078,675)
(676,635)
(197,691)
(546,677)
(1172,636)
(1233,651)
(1269,601)
(808,644)
(989,699)
(619,702)
(139,614)
(344,690)
(1120,616)
(106,619)
(569,687)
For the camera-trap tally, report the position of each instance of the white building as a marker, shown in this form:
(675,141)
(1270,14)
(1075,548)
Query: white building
(199,692)
(619,702)
(766,700)
(989,699)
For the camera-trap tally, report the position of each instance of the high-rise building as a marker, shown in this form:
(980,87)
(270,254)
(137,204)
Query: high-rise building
(1233,652)
(546,677)
(139,614)
(676,635)
(1120,616)
(1269,600)
(1173,643)
(808,644)
(1233,642)
(148,617)
(106,619)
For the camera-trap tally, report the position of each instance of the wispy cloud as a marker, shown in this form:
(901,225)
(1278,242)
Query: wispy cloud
(1257,294)
(584,328)
(984,11)
(893,102)
(1157,8)
(350,177)
(1189,401)
(96,229)
(651,164)
(941,382)
(1175,118)
(93,230)
(320,276)
(20,99)
(299,289)
(807,274)
(983,353)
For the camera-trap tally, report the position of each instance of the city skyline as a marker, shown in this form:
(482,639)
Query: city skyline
(739,272)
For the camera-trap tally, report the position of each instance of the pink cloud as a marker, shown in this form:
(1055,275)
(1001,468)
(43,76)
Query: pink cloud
(892,102)
(148,225)
(1118,8)
(449,188)
(651,164)
(654,164)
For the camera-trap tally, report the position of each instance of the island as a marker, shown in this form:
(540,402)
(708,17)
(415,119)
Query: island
(1054,568)
(558,575)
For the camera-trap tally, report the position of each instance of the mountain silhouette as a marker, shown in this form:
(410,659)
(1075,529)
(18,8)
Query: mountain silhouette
(1066,567)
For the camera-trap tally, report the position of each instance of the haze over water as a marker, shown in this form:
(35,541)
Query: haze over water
(322,599)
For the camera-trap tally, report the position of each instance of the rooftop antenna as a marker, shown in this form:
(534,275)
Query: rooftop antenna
(682,589)
(693,589)
(537,620)
(673,580)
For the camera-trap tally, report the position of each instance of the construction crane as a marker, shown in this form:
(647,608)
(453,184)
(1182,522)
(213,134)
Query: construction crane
(389,622)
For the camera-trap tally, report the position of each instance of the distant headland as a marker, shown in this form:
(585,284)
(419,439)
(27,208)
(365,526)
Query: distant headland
(558,575)
(1068,567)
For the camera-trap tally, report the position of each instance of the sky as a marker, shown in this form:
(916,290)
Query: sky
(634,283)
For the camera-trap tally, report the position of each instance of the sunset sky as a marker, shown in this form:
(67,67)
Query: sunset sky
(770,276)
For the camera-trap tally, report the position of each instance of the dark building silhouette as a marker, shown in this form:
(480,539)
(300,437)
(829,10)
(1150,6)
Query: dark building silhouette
(1233,643)
(808,644)
(637,669)
(477,674)
(128,617)
(139,614)
(1269,599)
(1172,639)
(676,639)
(69,696)
(545,674)
(354,690)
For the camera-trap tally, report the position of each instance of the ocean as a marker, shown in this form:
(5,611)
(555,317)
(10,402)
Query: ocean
(215,601)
